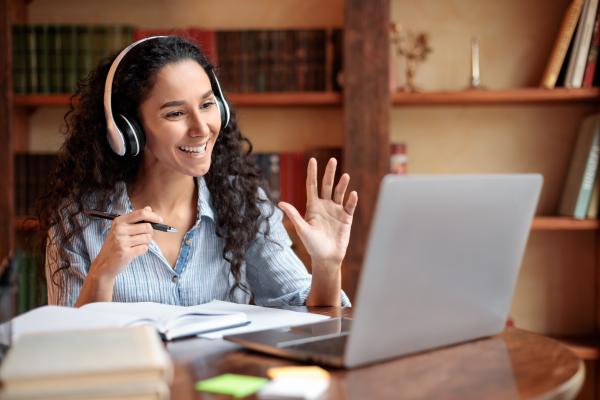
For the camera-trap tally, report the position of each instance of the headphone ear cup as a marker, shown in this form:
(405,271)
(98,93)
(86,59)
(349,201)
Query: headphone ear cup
(134,136)
(222,112)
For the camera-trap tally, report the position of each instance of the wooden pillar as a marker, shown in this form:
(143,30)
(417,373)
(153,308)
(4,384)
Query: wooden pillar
(6,162)
(366,118)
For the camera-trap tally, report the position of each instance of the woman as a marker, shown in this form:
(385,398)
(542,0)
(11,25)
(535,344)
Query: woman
(193,173)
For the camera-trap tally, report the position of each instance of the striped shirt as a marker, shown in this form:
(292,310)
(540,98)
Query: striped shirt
(272,271)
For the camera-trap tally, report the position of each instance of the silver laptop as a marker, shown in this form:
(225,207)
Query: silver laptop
(440,268)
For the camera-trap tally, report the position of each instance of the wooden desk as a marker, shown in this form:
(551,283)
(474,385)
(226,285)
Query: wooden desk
(514,364)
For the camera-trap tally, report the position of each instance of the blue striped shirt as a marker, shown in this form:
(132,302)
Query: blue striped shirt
(272,271)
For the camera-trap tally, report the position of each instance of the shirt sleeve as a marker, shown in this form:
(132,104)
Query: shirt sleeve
(65,272)
(276,275)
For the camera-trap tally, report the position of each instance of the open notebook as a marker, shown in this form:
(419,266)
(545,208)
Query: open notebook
(170,321)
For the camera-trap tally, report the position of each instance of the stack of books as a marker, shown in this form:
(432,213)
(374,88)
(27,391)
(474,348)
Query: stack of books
(580,194)
(573,60)
(115,363)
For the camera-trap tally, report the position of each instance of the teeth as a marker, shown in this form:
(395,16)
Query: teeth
(194,149)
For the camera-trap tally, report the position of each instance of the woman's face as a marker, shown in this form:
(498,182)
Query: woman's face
(181,120)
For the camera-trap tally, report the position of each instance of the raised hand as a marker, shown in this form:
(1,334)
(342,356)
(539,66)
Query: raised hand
(325,229)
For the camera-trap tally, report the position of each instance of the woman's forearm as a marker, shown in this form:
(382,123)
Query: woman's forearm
(96,287)
(326,286)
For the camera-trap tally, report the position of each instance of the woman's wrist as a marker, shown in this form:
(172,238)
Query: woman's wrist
(326,285)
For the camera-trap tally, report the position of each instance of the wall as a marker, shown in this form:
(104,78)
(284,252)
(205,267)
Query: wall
(555,291)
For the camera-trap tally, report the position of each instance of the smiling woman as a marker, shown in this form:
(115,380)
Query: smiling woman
(164,146)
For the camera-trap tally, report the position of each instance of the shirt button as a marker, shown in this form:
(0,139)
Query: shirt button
(174,279)
(188,242)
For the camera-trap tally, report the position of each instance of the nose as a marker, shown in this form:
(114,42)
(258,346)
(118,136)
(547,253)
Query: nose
(198,124)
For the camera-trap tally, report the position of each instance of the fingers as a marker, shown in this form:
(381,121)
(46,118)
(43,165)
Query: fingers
(137,240)
(144,214)
(293,214)
(351,203)
(340,189)
(328,179)
(311,181)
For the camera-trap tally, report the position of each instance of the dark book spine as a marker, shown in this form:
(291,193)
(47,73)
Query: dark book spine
(19,43)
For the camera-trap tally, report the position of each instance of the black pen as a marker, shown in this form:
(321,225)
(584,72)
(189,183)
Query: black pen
(105,215)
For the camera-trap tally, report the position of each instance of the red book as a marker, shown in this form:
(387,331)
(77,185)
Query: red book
(292,176)
(590,65)
(205,39)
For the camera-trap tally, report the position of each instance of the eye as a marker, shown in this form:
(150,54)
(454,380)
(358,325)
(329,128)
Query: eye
(174,114)
(207,104)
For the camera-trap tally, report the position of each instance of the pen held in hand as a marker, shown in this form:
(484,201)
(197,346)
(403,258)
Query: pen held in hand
(105,215)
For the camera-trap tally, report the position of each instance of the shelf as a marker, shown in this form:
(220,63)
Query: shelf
(564,224)
(25,224)
(238,99)
(539,224)
(509,96)
(586,348)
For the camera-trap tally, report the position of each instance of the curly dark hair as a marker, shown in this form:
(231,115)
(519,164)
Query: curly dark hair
(88,170)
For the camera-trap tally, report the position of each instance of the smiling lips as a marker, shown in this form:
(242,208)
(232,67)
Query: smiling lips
(194,149)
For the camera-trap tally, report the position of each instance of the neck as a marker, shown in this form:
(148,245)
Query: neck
(164,191)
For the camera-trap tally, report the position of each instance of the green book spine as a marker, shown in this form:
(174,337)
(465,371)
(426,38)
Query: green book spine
(32,60)
(42,38)
(71,73)
(589,176)
(19,42)
(84,51)
(54,60)
(22,286)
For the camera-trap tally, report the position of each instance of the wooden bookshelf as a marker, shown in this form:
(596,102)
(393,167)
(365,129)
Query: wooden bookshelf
(509,96)
(551,223)
(512,96)
(239,99)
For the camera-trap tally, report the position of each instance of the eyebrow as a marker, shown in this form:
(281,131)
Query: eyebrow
(176,103)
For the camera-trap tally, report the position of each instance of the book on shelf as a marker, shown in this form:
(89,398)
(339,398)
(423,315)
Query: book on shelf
(592,212)
(205,39)
(285,172)
(592,58)
(112,363)
(561,44)
(583,169)
(300,60)
(51,58)
(31,177)
(581,45)
(170,321)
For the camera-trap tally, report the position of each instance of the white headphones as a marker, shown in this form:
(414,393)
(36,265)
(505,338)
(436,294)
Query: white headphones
(125,135)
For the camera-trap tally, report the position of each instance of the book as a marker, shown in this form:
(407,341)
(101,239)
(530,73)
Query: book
(581,45)
(592,212)
(592,58)
(561,44)
(111,363)
(170,321)
(583,169)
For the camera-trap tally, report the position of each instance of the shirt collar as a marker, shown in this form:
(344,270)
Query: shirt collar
(121,204)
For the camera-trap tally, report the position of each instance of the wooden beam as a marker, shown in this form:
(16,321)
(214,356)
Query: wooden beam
(6,162)
(366,118)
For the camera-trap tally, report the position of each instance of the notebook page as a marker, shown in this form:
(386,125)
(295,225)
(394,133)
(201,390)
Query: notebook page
(260,317)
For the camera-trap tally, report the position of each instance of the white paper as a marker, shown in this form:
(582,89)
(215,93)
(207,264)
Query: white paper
(57,318)
(260,318)
(110,314)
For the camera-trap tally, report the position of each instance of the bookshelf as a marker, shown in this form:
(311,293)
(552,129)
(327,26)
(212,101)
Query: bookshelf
(238,99)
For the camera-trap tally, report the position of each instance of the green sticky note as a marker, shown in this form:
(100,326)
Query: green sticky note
(232,384)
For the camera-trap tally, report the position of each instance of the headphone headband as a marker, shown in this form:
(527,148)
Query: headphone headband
(116,137)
